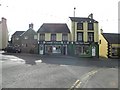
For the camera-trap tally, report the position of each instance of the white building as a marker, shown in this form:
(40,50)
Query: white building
(3,33)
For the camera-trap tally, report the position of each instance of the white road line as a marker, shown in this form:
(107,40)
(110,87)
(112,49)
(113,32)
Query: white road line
(63,65)
(40,61)
(17,59)
(2,61)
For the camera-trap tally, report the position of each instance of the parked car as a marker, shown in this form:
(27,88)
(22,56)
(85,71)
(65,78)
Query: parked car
(12,49)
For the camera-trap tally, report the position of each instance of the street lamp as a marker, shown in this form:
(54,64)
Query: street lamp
(74,23)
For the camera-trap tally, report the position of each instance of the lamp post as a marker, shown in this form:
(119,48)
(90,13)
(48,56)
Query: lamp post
(74,23)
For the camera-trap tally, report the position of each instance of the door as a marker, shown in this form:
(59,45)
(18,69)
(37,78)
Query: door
(93,51)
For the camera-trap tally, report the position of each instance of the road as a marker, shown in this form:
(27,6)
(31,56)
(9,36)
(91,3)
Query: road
(34,71)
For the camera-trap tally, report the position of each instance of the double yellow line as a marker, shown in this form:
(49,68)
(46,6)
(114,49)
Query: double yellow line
(84,79)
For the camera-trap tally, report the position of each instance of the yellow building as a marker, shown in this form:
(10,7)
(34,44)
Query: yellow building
(109,45)
(84,36)
(3,34)
(53,38)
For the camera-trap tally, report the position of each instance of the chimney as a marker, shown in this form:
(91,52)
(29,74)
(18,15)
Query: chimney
(101,31)
(90,16)
(31,25)
(3,19)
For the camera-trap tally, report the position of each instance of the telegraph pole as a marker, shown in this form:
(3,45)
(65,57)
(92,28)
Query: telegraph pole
(74,24)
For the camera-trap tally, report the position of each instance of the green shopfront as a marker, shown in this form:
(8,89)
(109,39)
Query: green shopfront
(81,49)
(53,47)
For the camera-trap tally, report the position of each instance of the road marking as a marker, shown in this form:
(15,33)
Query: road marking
(2,61)
(38,61)
(17,60)
(63,65)
(83,79)
(75,84)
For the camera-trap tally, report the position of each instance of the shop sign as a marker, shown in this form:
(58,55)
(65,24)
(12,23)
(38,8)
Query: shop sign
(54,42)
(81,43)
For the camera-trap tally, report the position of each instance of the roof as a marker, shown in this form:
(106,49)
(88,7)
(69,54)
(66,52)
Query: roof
(18,33)
(30,29)
(112,38)
(54,28)
(83,19)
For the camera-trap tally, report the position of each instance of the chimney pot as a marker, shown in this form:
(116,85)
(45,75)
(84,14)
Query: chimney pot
(31,25)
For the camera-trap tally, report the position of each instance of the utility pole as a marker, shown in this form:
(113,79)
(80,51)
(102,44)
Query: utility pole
(74,24)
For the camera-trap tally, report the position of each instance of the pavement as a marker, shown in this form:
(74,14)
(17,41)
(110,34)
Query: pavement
(35,71)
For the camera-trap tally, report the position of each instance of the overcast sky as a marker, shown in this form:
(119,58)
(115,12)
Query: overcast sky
(20,13)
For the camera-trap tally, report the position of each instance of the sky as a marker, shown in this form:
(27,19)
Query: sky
(20,13)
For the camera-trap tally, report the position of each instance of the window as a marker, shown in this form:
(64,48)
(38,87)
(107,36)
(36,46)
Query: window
(79,26)
(100,41)
(65,37)
(79,36)
(82,50)
(114,51)
(35,36)
(90,26)
(42,37)
(26,37)
(53,37)
(17,38)
(90,36)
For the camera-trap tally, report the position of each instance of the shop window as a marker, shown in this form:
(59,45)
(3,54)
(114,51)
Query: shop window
(79,26)
(82,50)
(90,26)
(90,36)
(79,36)
(42,37)
(53,37)
(65,37)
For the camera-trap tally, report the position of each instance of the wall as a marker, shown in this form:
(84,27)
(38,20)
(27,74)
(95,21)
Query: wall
(4,35)
(0,35)
(85,31)
(47,36)
(103,47)
(59,37)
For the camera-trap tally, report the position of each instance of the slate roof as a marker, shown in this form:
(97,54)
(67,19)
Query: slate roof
(18,33)
(54,28)
(83,19)
(112,38)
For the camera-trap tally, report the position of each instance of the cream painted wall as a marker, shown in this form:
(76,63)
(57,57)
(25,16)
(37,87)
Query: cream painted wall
(103,47)
(85,31)
(96,32)
(47,36)
(69,37)
(0,35)
(85,34)
(59,36)
(116,45)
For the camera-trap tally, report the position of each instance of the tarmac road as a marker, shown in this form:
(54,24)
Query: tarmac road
(34,71)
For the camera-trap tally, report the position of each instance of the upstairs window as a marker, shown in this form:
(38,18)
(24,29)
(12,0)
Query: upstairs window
(26,37)
(53,37)
(42,37)
(90,26)
(79,36)
(79,26)
(35,36)
(65,37)
(91,37)
(17,38)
